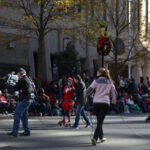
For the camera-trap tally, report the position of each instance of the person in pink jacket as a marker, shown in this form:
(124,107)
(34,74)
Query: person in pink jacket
(104,89)
(3,103)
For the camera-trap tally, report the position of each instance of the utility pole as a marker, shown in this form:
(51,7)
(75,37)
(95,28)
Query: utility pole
(115,44)
(129,39)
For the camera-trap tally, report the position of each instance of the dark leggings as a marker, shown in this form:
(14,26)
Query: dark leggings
(66,113)
(100,109)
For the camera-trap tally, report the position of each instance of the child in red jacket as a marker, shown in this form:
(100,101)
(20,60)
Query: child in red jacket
(68,103)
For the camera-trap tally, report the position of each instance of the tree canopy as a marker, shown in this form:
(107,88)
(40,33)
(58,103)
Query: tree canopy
(36,18)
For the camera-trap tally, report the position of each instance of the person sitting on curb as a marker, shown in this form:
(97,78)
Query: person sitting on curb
(44,102)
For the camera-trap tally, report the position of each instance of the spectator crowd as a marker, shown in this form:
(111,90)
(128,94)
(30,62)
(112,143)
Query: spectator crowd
(47,100)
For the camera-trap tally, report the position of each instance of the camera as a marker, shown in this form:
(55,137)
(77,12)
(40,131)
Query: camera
(12,79)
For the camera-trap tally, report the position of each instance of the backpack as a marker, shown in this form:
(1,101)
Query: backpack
(32,86)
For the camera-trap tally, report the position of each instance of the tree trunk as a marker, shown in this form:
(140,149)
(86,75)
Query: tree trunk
(41,69)
(41,62)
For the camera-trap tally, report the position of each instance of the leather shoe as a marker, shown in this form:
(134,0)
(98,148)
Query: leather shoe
(147,119)
(12,134)
(24,134)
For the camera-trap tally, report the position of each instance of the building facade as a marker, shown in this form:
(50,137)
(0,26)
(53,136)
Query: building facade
(23,53)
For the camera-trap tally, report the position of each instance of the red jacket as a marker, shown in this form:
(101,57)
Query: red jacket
(68,92)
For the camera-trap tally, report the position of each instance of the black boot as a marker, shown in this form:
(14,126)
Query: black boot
(147,119)
(24,134)
(12,134)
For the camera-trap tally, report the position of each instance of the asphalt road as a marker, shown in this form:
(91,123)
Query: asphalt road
(123,132)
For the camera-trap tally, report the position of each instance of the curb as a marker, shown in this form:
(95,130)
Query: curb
(6,116)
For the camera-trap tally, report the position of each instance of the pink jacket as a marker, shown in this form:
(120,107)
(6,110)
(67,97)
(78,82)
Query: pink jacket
(103,90)
(3,99)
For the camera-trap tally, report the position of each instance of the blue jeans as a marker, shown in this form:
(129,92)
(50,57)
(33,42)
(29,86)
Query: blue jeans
(56,112)
(49,111)
(21,113)
(80,111)
(41,107)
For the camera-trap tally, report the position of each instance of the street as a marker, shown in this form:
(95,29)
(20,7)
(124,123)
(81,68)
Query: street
(125,132)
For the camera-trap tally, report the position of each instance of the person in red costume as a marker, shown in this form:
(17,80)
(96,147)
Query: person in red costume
(68,102)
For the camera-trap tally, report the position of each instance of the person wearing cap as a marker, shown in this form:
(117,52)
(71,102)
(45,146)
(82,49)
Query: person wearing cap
(68,102)
(21,113)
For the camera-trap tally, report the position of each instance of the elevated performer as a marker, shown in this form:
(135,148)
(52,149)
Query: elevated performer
(68,102)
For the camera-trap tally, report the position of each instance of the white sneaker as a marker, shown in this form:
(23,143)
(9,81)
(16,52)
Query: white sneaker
(103,140)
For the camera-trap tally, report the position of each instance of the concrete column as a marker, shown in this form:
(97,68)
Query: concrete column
(90,66)
(146,69)
(58,40)
(137,72)
(89,61)
(31,58)
(48,73)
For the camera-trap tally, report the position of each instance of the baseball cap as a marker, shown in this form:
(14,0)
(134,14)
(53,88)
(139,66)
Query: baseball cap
(21,71)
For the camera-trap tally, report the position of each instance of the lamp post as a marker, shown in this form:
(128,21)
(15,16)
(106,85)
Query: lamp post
(103,47)
(102,58)
(129,39)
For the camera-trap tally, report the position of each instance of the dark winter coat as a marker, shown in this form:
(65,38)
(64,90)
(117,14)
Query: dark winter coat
(24,87)
(80,91)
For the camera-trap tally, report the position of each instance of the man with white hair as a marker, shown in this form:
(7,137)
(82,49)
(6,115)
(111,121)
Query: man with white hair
(21,113)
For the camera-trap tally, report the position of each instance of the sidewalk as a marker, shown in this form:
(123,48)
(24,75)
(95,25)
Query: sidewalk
(124,132)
